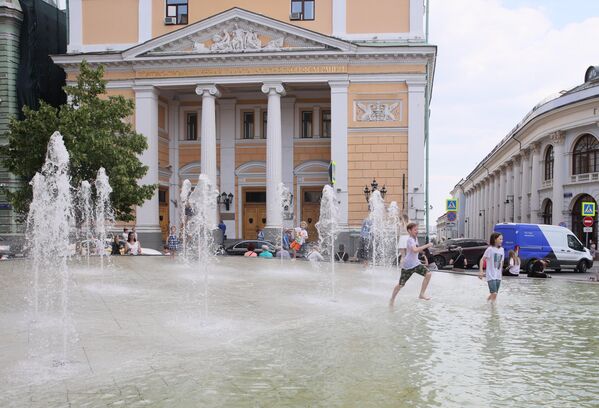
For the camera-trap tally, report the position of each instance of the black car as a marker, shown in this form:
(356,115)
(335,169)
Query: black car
(241,247)
(455,251)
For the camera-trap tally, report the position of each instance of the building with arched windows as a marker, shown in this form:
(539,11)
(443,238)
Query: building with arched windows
(258,93)
(542,171)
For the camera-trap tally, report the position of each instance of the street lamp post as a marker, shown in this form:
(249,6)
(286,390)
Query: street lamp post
(374,187)
(225,199)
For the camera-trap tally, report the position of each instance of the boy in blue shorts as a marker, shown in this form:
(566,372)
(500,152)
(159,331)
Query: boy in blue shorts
(492,263)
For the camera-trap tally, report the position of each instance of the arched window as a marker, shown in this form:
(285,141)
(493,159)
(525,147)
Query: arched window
(549,163)
(585,158)
(577,218)
(547,212)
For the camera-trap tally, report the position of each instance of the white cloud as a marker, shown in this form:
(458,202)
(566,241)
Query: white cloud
(494,64)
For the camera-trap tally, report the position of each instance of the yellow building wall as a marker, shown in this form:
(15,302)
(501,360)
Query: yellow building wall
(372,155)
(110,21)
(277,9)
(303,153)
(244,154)
(380,16)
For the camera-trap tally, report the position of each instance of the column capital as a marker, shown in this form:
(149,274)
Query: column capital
(416,85)
(517,158)
(535,147)
(145,91)
(208,90)
(557,138)
(337,85)
(273,87)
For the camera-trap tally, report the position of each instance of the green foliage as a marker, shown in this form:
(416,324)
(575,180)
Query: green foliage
(96,134)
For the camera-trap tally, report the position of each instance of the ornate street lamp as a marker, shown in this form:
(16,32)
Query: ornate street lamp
(373,187)
(225,199)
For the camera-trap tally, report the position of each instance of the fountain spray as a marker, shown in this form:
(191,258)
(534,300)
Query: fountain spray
(184,198)
(327,226)
(85,207)
(104,212)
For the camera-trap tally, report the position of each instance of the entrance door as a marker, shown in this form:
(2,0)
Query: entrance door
(163,212)
(311,210)
(254,211)
(577,221)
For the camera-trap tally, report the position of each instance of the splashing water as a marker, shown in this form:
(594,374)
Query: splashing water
(201,229)
(184,196)
(285,200)
(48,227)
(328,227)
(104,212)
(84,198)
(378,230)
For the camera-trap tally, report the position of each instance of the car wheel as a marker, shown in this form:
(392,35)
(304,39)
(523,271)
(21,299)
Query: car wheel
(582,267)
(440,261)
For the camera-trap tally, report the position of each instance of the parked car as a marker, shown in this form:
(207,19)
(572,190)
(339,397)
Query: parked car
(241,247)
(454,251)
(558,244)
(10,247)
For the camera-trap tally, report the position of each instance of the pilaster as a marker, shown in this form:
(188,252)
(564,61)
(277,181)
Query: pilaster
(339,123)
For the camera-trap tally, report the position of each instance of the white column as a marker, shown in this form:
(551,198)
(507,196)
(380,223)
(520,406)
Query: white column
(75,26)
(509,192)
(502,193)
(339,18)
(491,217)
(483,214)
(496,197)
(173,158)
(535,183)
(145,21)
(146,123)
(339,122)
(208,136)
(559,171)
(477,208)
(525,190)
(226,126)
(417,20)
(288,125)
(416,112)
(274,167)
(517,187)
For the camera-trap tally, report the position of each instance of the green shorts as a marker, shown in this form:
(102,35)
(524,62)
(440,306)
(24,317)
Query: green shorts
(407,273)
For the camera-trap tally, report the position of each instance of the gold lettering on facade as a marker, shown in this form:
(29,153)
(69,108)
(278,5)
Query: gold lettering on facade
(322,69)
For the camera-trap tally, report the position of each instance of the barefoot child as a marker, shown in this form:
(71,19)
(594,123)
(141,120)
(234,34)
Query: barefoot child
(173,242)
(411,264)
(493,258)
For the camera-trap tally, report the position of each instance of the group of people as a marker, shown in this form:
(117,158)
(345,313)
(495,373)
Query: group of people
(126,244)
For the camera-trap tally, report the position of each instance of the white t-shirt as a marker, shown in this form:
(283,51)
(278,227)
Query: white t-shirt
(411,260)
(494,257)
(133,248)
(514,267)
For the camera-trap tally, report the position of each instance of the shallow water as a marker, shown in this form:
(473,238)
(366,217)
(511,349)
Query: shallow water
(274,338)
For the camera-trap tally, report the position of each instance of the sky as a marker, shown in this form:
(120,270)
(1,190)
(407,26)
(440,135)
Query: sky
(496,60)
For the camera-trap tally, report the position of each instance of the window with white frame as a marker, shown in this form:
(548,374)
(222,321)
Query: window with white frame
(177,9)
(326,124)
(192,126)
(307,124)
(248,125)
(264,124)
(302,10)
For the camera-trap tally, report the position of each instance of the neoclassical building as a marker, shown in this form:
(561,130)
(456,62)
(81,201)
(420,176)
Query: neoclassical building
(255,93)
(542,171)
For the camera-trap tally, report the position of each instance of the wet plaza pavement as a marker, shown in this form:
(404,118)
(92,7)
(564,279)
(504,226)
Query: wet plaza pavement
(270,335)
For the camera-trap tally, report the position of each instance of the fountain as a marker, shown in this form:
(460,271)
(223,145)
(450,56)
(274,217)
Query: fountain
(201,227)
(104,213)
(184,196)
(395,221)
(378,229)
(328,226)
(285,200)
(84,198)
(48,229)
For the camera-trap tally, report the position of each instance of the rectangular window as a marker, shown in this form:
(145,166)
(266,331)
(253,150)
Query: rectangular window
(177,9)
(264,124)
(248,125)
(302,10)
(306,124)
(255,197)
(312,196)
(192,126)
(326,123)
(162,196)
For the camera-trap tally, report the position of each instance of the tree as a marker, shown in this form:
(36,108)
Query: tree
(96,133)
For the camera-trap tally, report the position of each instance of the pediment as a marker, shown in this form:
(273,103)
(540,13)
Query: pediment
(237,31)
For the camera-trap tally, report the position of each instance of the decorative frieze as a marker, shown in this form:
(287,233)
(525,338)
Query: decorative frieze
(377,110)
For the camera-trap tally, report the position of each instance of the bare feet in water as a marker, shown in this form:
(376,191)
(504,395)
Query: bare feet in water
(424,297)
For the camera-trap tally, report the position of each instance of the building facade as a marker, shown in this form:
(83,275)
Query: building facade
(542,171)
(255,94)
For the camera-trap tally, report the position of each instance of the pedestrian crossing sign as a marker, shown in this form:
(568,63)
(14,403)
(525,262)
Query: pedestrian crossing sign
(451,204)
(588,209)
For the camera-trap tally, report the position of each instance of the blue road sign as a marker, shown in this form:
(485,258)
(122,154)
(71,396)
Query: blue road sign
(451,204)
(451,216)
(588,209)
